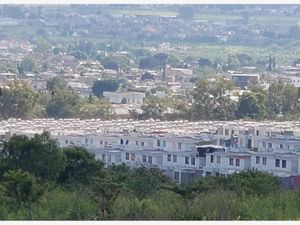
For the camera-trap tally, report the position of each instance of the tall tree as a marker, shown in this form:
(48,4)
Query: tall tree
(63,104)
(212,100)
(40,156)
(18,100)
(81,166)
(22,190)
(100,86)
(252,105)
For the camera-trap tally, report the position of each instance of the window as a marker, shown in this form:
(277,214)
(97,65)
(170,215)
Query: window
(91,141)
(127,156)
(175,158)
(257,159)
(121,141)
(106,143)
(150,159)
(169,158)
(164,144)
(264,144)
(211,158)
(218,159)
(193,162)
(281,146)
(103,157)
(142,143)
(176,176)
(288,146)
(231,161)
(144,158)
(158,143)
(86,141)
(66,141)
(187,160)
(132,156)
(179,146)
(101,142)
(136,143)
(283,163)
(237,162)
(264,159)
(257,132)
(269,145)
(109,158)
(277,163)
(226,132)
(174,145)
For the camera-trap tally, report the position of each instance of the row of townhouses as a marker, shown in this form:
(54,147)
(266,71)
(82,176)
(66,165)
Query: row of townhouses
(183,150)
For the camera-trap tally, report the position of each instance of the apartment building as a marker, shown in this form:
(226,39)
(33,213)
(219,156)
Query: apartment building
(183,150)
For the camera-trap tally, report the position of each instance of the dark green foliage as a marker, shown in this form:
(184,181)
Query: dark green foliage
(92,192)
(100,86)
(81,166)
(212,100)
(252,105)
(27,65)
(63,104)
(39,156)
(104,192)
(144,182)
(254,182)
(55,84)
(148,63)
(21,189)
(110,64)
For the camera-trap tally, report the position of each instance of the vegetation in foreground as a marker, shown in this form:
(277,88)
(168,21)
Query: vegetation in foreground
(40,181)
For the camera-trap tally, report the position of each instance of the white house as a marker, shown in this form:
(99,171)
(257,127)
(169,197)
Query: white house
(222,163)
(280,164)
(125,97)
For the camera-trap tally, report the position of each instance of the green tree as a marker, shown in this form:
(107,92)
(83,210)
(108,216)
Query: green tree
(19,100)
(253,182)
(104,193)
(149,63)
(27,65)
(282,98)
(252,105)
(145,182)
(98,108)
(100,86)
(22,190)
(81,166)
(39,155)
(212,100)
(63,104)
(153,107)
(55,84)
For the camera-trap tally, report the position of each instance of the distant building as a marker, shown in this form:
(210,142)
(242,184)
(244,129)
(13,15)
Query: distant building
(243,80)
(125,97)
(4,77)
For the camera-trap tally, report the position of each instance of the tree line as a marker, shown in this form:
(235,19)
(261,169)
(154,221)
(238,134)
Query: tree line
(213,100)
(209,100)
(19,100)
(41,181)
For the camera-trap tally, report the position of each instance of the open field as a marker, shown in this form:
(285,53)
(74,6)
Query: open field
(283,54)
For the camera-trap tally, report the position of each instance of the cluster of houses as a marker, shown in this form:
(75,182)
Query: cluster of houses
(183,150)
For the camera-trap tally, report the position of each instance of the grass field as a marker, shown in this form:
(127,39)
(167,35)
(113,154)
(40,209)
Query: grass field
(283,54)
